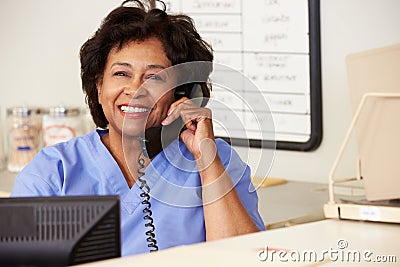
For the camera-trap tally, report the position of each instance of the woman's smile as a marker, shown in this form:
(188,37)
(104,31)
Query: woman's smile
(134,111)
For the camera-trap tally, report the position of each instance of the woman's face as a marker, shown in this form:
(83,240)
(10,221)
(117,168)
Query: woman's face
(133,94)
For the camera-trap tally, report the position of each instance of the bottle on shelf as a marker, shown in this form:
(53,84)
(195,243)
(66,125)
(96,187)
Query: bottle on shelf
(61,124)
(24,136)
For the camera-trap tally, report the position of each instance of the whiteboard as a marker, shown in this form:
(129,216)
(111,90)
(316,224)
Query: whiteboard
(276,44)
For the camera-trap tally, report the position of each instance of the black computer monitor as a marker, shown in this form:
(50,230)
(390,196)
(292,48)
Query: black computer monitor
(59,231)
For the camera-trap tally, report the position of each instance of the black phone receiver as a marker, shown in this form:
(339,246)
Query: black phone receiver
(160,137)
(193,91)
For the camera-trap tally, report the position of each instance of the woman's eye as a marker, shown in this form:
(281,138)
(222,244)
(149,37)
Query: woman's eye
(120,73)
(155,77)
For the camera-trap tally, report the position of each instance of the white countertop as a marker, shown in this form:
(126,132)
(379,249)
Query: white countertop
(328,242)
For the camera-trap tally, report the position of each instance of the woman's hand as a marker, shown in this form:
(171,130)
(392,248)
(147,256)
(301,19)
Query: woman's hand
(224,213)
(198,135)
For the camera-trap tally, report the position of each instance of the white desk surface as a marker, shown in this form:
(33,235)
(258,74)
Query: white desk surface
(374,239)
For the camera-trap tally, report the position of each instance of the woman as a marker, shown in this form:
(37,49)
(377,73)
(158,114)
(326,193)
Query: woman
(119,64)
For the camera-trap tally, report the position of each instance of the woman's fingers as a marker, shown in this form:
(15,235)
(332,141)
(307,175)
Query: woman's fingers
(198,122)
(177,103)
(172,114)
(188,111)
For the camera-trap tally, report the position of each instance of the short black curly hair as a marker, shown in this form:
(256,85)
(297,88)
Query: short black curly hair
(181,41)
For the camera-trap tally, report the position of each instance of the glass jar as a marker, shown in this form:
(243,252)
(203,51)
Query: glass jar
(61,124)
(24,136)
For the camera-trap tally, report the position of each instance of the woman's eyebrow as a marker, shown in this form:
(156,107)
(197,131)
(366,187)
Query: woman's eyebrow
(124,64)
(155,66)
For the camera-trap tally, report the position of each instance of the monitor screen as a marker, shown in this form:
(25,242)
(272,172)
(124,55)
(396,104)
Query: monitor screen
(59,231)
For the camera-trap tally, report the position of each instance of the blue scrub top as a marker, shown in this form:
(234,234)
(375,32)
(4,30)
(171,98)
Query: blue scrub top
(84,166)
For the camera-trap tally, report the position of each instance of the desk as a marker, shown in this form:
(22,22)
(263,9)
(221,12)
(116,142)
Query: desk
(374,239)
(292,203)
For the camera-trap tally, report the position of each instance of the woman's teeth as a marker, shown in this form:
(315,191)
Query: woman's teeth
(128,109)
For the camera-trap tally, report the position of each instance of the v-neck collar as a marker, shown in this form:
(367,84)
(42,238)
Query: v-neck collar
(130,197)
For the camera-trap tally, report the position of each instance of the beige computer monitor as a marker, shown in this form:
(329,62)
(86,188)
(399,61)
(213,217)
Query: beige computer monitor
(378,128)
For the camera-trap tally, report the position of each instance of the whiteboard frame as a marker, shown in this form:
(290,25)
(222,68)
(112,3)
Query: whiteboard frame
(315,94)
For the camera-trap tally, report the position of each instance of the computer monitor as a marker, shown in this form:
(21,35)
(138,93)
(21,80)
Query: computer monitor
(59,231)
(376,71)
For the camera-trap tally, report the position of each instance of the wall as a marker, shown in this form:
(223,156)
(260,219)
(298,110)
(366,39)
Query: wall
(40,41)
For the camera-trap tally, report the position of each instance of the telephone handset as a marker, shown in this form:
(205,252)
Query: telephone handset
(156,138)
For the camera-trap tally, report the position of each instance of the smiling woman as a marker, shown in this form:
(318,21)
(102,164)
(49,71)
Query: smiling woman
(124,72)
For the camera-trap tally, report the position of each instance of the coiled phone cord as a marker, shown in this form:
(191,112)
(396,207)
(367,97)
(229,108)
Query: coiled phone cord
(152,242)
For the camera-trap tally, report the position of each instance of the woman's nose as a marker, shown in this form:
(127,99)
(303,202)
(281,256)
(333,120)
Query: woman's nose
(135,89)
